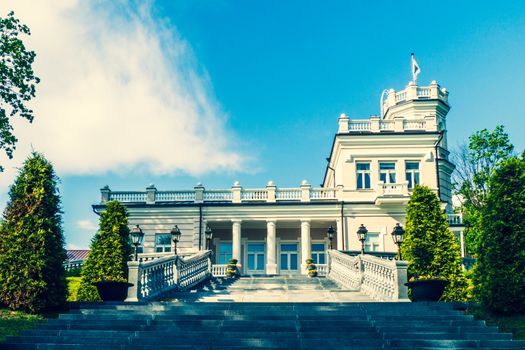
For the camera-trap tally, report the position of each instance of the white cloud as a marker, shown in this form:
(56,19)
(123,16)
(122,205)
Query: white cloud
(120,91)
(87,225)
(72,246)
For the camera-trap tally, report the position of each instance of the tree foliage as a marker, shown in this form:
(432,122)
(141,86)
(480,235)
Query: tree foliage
(17,79)
(500,273)
(429,246)
(32,277)
(475,163)
(110,251)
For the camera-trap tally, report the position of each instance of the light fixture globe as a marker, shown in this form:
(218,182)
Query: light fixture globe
(398,234)
(137,236)
(361,233)
(208,233)
(175,234)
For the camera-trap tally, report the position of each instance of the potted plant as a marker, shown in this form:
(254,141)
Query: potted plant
(231,270)
(431,250)
(113,289)
(426,288)
(311,267)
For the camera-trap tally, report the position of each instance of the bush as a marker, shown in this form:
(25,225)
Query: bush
(500,273)
(429,246)
(32,277)
(110,252)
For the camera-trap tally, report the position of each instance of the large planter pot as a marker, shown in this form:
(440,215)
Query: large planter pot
(113,291)
(427,290)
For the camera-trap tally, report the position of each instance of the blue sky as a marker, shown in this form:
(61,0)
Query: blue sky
(177,92)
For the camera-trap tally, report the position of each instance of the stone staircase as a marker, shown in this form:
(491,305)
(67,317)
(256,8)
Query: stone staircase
(193,324)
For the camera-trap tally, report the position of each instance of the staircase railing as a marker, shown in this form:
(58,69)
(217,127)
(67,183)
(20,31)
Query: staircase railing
(378,278)
(152,278)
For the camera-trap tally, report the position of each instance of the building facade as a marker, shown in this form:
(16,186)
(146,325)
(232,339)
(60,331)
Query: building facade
(373,166)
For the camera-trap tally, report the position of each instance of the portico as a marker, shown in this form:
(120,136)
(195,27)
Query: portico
(271,246)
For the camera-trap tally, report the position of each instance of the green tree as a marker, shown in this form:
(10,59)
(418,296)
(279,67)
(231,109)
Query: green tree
(475,163)
(110,251)
(429,246)
(17,79)
(500,273)
(32,277)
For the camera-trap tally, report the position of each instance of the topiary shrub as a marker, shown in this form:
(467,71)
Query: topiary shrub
(429,246)
(110,252)
(32,277)
(499,275)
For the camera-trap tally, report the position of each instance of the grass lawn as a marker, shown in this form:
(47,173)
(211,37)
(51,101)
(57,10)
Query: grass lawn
(509,324)
(72,285)
(12,322)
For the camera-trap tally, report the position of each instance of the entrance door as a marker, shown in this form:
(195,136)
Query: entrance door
(289,257)
(256,263)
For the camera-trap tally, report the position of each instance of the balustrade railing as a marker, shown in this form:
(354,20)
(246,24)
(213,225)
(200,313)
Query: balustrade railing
(322,193)
(288,194)
(132,196)
(219,270)
(254,195)
(380,279)
(152,278)
(167,196)
(359,125)
(72,265)
(454,219)
(322,269)
(414,124)
(218,195)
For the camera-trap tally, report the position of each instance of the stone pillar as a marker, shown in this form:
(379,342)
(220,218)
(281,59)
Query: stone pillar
(343,124)
(402,278)
(271,189)
(339,235)
(305,191)
(374,124)
(105,193)
(398,124)
(236,242)
(271,255)
(133,278)
(151,190)
(306,244)
(236,192)
(462,243)
(199,193)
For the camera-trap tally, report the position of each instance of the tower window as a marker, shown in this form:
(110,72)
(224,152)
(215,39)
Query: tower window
(412,174)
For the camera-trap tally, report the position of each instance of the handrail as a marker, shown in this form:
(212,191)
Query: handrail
(153,278)
(380,279)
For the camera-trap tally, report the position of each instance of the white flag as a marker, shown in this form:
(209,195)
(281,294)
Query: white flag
(415,68)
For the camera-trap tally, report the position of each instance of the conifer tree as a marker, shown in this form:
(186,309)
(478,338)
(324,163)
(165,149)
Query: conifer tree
(110,252)
(500,272)
(32,277)
(429,246)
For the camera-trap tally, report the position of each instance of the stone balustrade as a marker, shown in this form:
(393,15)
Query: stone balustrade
(153,278)
(398,124)
(380,279)
(455,219)
(219,270)
(414,92)
(236,194)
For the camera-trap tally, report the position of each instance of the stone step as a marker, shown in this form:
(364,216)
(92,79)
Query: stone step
(453,344)
(437,335)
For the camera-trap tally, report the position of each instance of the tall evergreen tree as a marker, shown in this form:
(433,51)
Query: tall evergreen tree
(110,251)
(32,277)
(429,246)
(500,273)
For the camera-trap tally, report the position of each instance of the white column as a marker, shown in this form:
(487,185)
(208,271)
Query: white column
(271,256)
(462,243)
(306,244)
(236,242)
(339,235)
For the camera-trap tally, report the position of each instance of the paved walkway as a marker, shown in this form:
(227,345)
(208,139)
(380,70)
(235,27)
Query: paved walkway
(271,289)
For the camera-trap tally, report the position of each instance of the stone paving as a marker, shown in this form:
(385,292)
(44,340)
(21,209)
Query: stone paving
(296,289)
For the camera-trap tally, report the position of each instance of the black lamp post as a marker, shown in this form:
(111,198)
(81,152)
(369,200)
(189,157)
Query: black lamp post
(209,235)
(175,237)
(330,233)
(361,234)
(398,235)
(136,239)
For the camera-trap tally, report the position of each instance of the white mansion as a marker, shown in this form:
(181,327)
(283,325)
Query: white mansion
(373,166)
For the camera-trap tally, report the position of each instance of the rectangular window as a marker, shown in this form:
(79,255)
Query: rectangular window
(387,172)
(162,243)
(224,253)
(318,253)
(372,242)
(363,175)
(412,173)
(256,256)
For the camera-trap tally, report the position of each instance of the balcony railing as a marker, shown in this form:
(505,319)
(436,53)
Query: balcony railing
(236,194)
(398,124)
